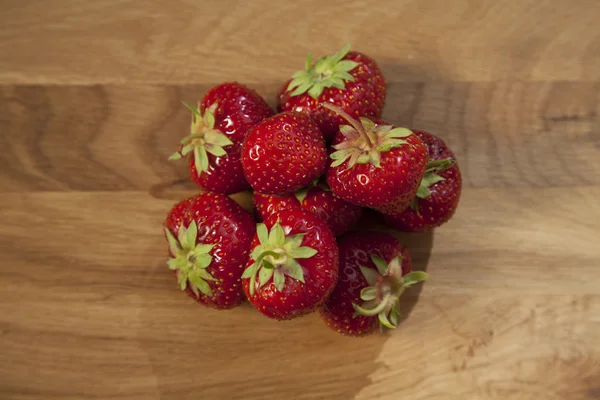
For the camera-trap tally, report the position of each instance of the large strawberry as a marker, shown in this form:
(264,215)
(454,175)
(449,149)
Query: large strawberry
(218,129)
(376,164)
(293,265)
(439,193)
(283,153)
(318,199)
(349,79)
(209,239)
(375,269)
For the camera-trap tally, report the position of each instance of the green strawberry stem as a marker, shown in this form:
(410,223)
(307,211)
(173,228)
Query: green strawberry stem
(386,286)
(365,140)
(355,124)
(275,258)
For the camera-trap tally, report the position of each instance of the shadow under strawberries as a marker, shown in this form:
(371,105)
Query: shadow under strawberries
(200,353)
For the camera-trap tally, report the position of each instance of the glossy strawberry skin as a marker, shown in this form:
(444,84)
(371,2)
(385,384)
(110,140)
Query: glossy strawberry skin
(283,153)
(355,250)
(224,175)
(337,213)
(445,195)
(364,97)
(320,271)
(239,109)
(266,205)
(389,189)
(224,223)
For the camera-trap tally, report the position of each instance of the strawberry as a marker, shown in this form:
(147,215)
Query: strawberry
(209,238)
(438,194)
(375,269)
(318,199)
(293,265)
(348,79)
(283,153)
(376,164)
(219,126)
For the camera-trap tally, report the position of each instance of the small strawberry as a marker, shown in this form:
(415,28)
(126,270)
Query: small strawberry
(439,193)
(293,265)
(209,239)
(375,269)
(283,153)
(375,164)
(318,199)
(218,129)
(350,80)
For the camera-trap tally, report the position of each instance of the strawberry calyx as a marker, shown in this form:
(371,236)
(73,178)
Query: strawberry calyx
(328,71)
(275,257)
(204,138)
(386,286)
(301,194)
(365,140)
(430,178)
(190,259)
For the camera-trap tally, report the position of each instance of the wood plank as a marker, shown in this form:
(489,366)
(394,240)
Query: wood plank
(116,41)
(510,134)
(88,309)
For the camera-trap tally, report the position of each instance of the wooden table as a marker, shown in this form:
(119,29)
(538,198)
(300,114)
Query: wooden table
(90,110)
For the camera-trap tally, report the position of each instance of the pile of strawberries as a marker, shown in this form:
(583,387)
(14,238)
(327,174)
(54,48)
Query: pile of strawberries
(314,168)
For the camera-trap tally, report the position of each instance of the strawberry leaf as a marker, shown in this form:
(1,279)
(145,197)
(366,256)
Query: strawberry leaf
(395,266)
(193,109)
(368,293)
(294,270)
(370,275)
(414,277)
(192,231)
(263,234)
(301,194)
(326,72)
(216,151)
(384,321)
(200,159)
(380,263)
(203,260)
(249,271)
(174,245)
(277,235)
(279,280)
(190,260)
(303,252)
(264,276)
(276,256)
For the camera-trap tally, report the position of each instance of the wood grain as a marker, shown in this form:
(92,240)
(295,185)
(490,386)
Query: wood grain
(90,109)
(117,41)
(90,303)
(119,137)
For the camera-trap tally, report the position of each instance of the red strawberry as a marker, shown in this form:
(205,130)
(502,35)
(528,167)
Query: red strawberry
(439,192)
(337,213)
(350,80)
(293,265)
(283,153)
(218,129)
(209,239)
(375,269)
(375,164)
